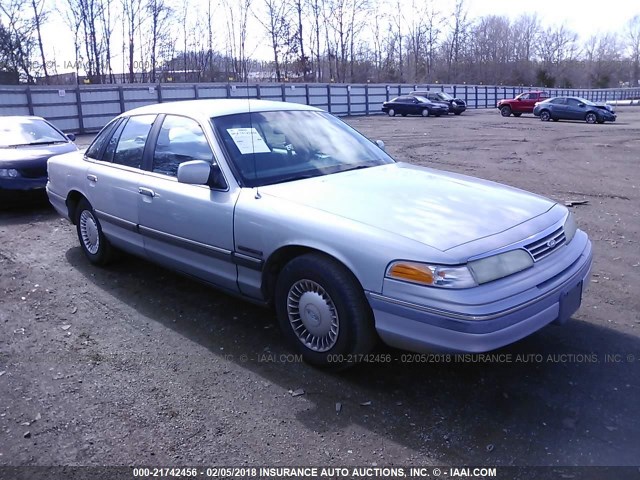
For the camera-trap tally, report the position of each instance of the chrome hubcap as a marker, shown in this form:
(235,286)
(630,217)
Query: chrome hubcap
(89,232)
(313,315)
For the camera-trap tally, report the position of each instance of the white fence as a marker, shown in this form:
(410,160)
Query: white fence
(84,109)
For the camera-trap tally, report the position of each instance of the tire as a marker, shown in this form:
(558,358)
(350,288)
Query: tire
(322,311)
(545,115)
(425,112)
(391,112)
(591,117)
(517,114)
(505,111)
(94,244)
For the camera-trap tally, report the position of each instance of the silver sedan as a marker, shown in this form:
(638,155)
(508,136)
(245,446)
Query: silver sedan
(286,205)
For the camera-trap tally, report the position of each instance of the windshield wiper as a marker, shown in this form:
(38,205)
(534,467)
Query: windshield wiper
(297,177)
(48,142)
(359,167)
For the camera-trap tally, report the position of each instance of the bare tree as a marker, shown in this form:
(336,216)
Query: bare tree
(276,24)
(632,34)
(432,23)
(132,16)
(40,17)
(456,40)
(237,21)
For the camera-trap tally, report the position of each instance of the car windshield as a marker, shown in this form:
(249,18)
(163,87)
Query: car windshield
(281,146)
(445,96)
(585,101)
(28,131)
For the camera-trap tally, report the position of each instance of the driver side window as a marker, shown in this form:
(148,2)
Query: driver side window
(180,140)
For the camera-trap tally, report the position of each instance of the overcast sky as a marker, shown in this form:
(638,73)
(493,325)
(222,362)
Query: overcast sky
(585,17)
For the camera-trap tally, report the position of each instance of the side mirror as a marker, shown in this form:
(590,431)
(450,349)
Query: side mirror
(199,172)
(71,137)
(380,144)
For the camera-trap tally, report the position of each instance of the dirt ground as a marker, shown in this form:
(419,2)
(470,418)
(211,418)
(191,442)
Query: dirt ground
(135,365)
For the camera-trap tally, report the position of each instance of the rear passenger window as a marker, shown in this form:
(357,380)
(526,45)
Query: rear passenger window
(132,140)
(180,140)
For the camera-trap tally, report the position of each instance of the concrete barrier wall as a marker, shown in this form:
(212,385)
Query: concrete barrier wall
(83,109)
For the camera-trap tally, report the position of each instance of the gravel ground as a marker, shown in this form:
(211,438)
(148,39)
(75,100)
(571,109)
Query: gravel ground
(135,365)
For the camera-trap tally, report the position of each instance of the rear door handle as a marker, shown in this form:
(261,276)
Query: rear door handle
(92,178)
(146,191)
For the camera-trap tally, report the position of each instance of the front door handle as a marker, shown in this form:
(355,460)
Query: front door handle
(92,178)
(146,191)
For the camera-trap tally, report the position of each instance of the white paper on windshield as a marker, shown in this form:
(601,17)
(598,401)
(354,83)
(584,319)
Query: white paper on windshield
(248,140)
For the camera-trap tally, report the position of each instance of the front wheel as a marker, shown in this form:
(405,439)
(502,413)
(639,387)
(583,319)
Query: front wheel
(94,244)
(591,117)
(391,112)
(545,116)
(505,111)
(323,312)
(425,112)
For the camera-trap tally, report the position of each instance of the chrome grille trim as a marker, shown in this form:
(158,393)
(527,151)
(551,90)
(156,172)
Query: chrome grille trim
(540,248)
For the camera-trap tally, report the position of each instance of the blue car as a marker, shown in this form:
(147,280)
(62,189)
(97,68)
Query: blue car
(26,143)
(573,108)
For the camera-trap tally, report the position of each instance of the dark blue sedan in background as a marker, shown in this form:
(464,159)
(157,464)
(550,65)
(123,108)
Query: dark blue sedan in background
(26,143)
(573,108)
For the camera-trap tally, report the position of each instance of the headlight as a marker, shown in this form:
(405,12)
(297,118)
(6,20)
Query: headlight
(431,275)
(499,266)
(570,227)
(9,172)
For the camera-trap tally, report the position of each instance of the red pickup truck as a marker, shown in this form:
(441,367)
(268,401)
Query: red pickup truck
(523,103)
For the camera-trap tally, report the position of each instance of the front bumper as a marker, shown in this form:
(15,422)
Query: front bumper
(419,328)
(22,183)
(457,108)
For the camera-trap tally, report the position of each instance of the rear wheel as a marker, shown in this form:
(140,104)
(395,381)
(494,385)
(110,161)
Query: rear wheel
(505,111)
(94,244)
(545,116)
(323,312)
(391,112)
(425,112)
(591,117)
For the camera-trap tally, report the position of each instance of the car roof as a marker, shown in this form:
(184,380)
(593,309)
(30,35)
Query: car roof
(217,107)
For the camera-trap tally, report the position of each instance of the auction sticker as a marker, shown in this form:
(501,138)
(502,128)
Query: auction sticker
(248,140)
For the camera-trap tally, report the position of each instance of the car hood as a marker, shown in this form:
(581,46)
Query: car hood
(26,156)
(440,209)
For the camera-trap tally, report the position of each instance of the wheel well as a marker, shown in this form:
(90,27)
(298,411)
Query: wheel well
(278,259)
(73,199)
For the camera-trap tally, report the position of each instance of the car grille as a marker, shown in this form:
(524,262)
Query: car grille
(35,172)
(546,245)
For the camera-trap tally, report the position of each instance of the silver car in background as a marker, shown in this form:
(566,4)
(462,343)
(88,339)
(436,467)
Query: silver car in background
(286,205)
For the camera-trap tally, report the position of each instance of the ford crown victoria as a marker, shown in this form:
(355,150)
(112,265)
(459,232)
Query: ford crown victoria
(286,205)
